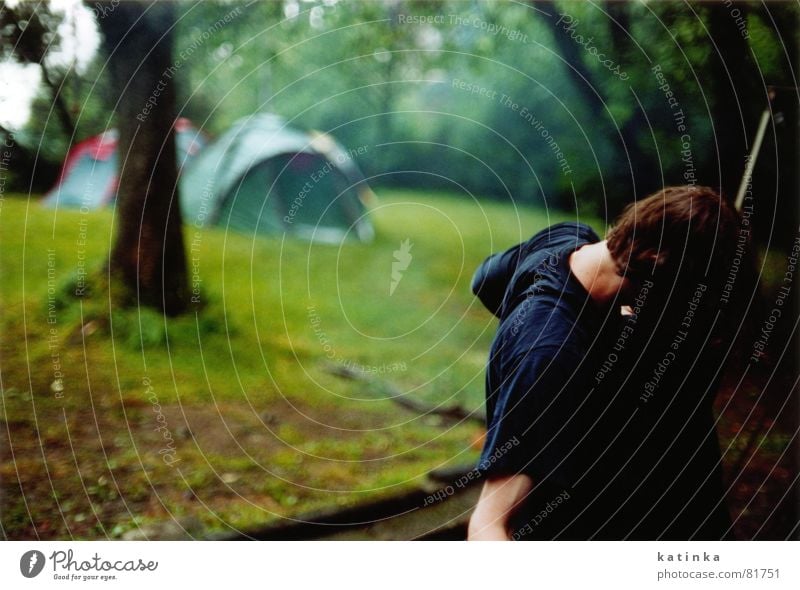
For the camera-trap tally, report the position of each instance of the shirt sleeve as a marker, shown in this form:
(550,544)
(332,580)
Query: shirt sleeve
(490,281)
(536,422)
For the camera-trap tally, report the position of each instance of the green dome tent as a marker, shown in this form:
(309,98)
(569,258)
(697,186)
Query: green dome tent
(263,176)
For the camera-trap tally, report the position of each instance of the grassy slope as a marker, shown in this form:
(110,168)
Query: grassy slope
(262,429)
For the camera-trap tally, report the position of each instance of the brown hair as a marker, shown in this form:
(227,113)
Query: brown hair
(690,228)
(684,236)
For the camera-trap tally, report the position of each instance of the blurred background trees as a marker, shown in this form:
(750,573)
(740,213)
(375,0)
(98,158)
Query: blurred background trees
(367,74)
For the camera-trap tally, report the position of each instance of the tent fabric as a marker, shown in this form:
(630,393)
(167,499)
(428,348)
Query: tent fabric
(89,176)
(264,176)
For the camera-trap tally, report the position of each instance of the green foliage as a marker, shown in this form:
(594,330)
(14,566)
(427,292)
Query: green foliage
(365,73)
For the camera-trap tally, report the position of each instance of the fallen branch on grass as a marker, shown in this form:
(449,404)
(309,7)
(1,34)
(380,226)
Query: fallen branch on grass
(450,413)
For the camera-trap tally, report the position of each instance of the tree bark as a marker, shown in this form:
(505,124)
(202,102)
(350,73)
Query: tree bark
(148,252)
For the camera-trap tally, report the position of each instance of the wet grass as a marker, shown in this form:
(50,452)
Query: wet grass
(230,415)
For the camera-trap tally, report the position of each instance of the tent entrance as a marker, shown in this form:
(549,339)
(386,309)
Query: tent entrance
(300,193)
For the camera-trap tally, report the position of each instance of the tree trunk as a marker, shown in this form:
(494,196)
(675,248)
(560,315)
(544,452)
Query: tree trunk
(148,253)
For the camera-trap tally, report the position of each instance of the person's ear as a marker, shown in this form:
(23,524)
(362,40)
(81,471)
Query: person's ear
(658,258)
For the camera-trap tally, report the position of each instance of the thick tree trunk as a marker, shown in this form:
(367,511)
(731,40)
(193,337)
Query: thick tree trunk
(148,253)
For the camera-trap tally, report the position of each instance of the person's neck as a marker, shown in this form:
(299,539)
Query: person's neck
(595,269)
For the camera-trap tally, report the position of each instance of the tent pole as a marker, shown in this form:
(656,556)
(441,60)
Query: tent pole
(753,155)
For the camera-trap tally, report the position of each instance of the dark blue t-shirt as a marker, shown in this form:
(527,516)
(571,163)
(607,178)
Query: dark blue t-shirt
(604,465)
(534,379)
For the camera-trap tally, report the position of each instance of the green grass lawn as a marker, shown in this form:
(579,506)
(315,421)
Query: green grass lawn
(258,426)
